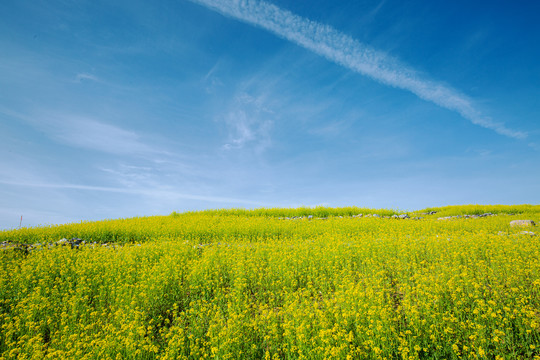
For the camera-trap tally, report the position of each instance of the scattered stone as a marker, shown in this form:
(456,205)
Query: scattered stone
(23,248)
(528,233)
(201,246)
(475,216)
(74,242)
(8,246)
(514,223)
(395,216)
(62,241)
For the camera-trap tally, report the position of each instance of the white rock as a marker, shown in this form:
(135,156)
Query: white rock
(522,223)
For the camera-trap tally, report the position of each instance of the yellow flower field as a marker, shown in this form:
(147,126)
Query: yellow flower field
(262,284)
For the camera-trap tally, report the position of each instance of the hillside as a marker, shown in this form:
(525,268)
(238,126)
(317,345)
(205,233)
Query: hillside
(307,283)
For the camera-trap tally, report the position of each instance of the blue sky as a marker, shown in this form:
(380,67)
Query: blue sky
(121,109)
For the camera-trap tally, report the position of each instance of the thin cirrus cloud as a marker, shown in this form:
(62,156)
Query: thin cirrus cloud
(350,53)
(154,193)
(87,133)
(249,122)
(85,76)
(91,134)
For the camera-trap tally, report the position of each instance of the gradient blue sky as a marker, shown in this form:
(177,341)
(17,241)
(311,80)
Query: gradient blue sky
(121,109)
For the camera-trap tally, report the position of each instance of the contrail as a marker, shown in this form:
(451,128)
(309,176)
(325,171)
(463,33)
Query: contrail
(350,53)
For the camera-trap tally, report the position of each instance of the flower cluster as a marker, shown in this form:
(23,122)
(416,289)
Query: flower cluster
(225,285)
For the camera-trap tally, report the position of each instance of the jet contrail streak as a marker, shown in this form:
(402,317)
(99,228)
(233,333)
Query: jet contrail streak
(350,53)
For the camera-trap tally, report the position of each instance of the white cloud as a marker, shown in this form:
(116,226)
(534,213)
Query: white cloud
(211,81)
(348,52)
(332,128)
(84,76)
(95,135)
(154,193)
(249,123)
(88,133)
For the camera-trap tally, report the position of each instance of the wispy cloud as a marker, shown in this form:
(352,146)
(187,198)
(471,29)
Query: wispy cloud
(211,81)
(332,128)
(84,76)
(350,53)
(96,135)
(155,193)
(249,122)
(89,133)
(86,132)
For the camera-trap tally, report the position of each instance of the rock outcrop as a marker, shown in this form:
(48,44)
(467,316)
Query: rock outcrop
(524,223)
